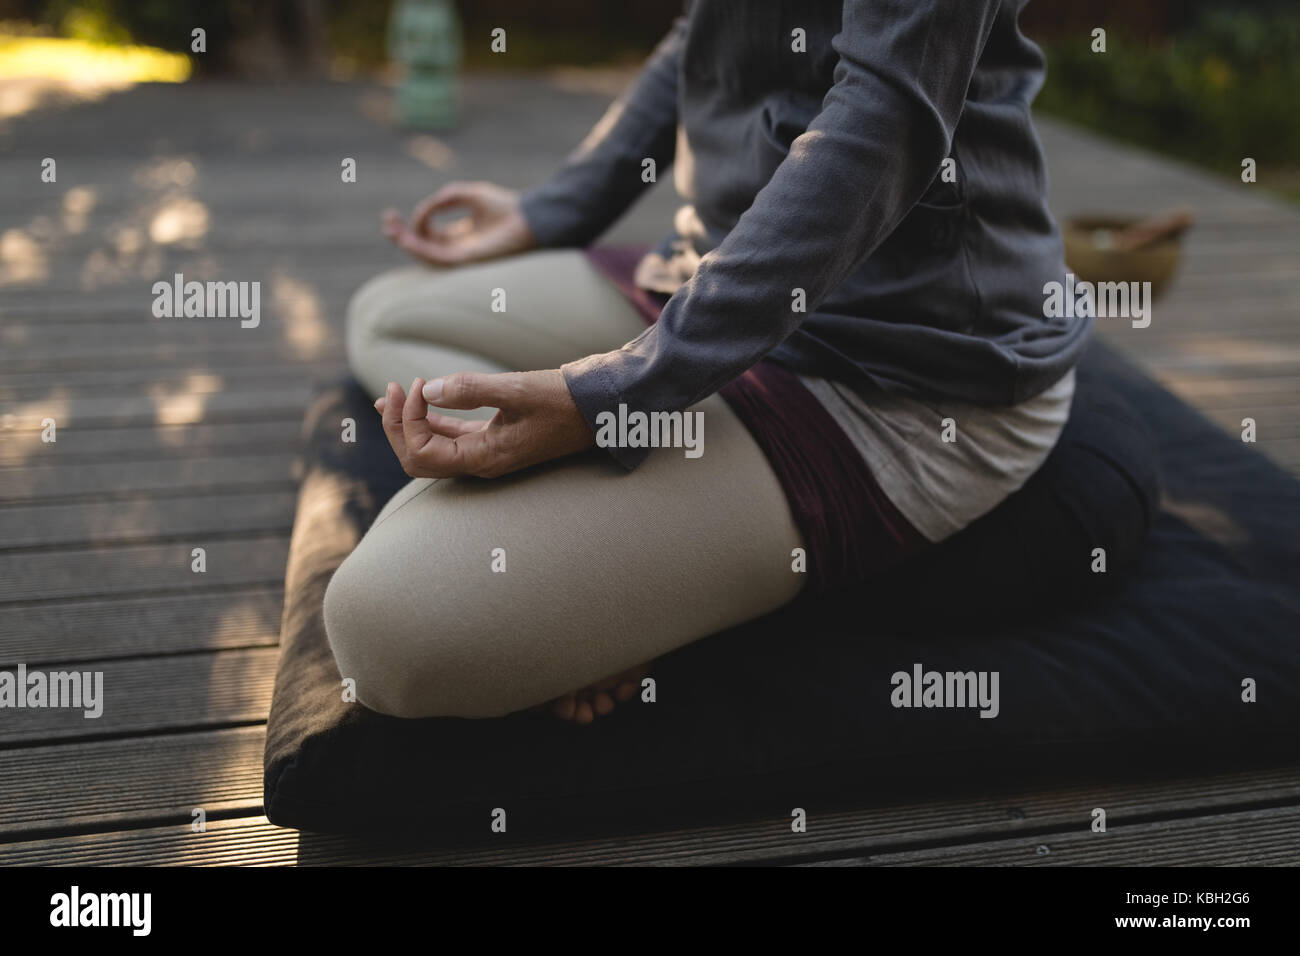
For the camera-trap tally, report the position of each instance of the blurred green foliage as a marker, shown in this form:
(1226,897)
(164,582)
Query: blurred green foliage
(165,24)
(541,32)
(94,21)
(1223,89)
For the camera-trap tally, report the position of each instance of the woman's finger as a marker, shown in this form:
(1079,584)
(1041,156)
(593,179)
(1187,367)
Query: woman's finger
(431,249)
(443,424)
(393,224)
(448,197)
(392,412)
(415,426)
(427,452)
(453,427)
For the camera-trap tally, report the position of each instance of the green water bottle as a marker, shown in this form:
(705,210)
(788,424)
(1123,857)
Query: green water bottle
(424,40)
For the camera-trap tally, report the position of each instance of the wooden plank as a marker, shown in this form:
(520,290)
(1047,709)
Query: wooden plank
(1237,342)
(145,519)
(1240,382)
(1262,408)
(1243,281)
(157,694)
(1202,328)
(77,447)
(268,471)
(1265,348)
(1245,277)
(161,409)
(194,333)
(143,568)
(1134,189)
(1199,359)
(197,379)
(110,784)
(848,834)
(98,352)
(1082,160)
(1269,427)
(1248,838)
(1284,453)
(1227,408)
(271,228)
(1205,285)
(97,629)
(1170,322)
(64,298)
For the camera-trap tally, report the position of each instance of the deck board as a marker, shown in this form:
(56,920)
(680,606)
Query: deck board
(135,568)
(175,434)
(182,407)
(130,782)
(152,442)
(156,694)
(145,519)
(1264,837)
(98,628)
(116,479)
(1006,827)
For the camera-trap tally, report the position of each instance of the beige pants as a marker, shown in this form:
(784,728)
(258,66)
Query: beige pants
(603,569)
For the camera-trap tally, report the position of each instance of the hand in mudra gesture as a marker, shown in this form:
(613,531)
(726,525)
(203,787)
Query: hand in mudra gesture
(489,223)
(536,420)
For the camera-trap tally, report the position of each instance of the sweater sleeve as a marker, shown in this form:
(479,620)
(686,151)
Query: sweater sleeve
(603,177)
(885,126)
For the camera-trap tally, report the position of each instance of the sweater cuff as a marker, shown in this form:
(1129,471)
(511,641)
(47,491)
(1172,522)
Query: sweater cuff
(594,391)
(553,221)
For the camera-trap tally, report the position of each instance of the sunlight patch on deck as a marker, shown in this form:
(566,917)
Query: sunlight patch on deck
(180,219)
(431,151)
(298,305)
(22,259)
(184,404)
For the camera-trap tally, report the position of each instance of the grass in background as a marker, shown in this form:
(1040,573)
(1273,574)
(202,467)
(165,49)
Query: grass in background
(1214,94)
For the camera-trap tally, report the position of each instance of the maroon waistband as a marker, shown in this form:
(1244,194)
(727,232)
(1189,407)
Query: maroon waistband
(851,530)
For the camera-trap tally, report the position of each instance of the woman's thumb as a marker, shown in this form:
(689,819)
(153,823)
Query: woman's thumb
(466,390)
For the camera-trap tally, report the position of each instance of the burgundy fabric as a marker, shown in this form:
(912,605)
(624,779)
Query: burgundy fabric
(851,530)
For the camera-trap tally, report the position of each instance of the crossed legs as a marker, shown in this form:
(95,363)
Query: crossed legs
(477,598)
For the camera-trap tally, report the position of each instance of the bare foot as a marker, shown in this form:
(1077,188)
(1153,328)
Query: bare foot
(585,705)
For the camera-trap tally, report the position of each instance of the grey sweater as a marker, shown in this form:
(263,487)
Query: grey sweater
(815,178)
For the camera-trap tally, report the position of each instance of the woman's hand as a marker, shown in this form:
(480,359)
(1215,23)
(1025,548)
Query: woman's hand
(536,420)
(490,224)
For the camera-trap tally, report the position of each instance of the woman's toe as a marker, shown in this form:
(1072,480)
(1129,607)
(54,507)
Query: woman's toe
(603,703)
(566,707)
(582,713)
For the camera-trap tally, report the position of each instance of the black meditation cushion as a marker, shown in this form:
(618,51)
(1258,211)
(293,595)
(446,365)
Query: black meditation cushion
(1005,649)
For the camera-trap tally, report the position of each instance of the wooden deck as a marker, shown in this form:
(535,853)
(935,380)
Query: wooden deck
(180,435)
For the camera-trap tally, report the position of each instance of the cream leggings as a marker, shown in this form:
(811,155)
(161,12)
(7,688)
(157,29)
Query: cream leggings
(603,569)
